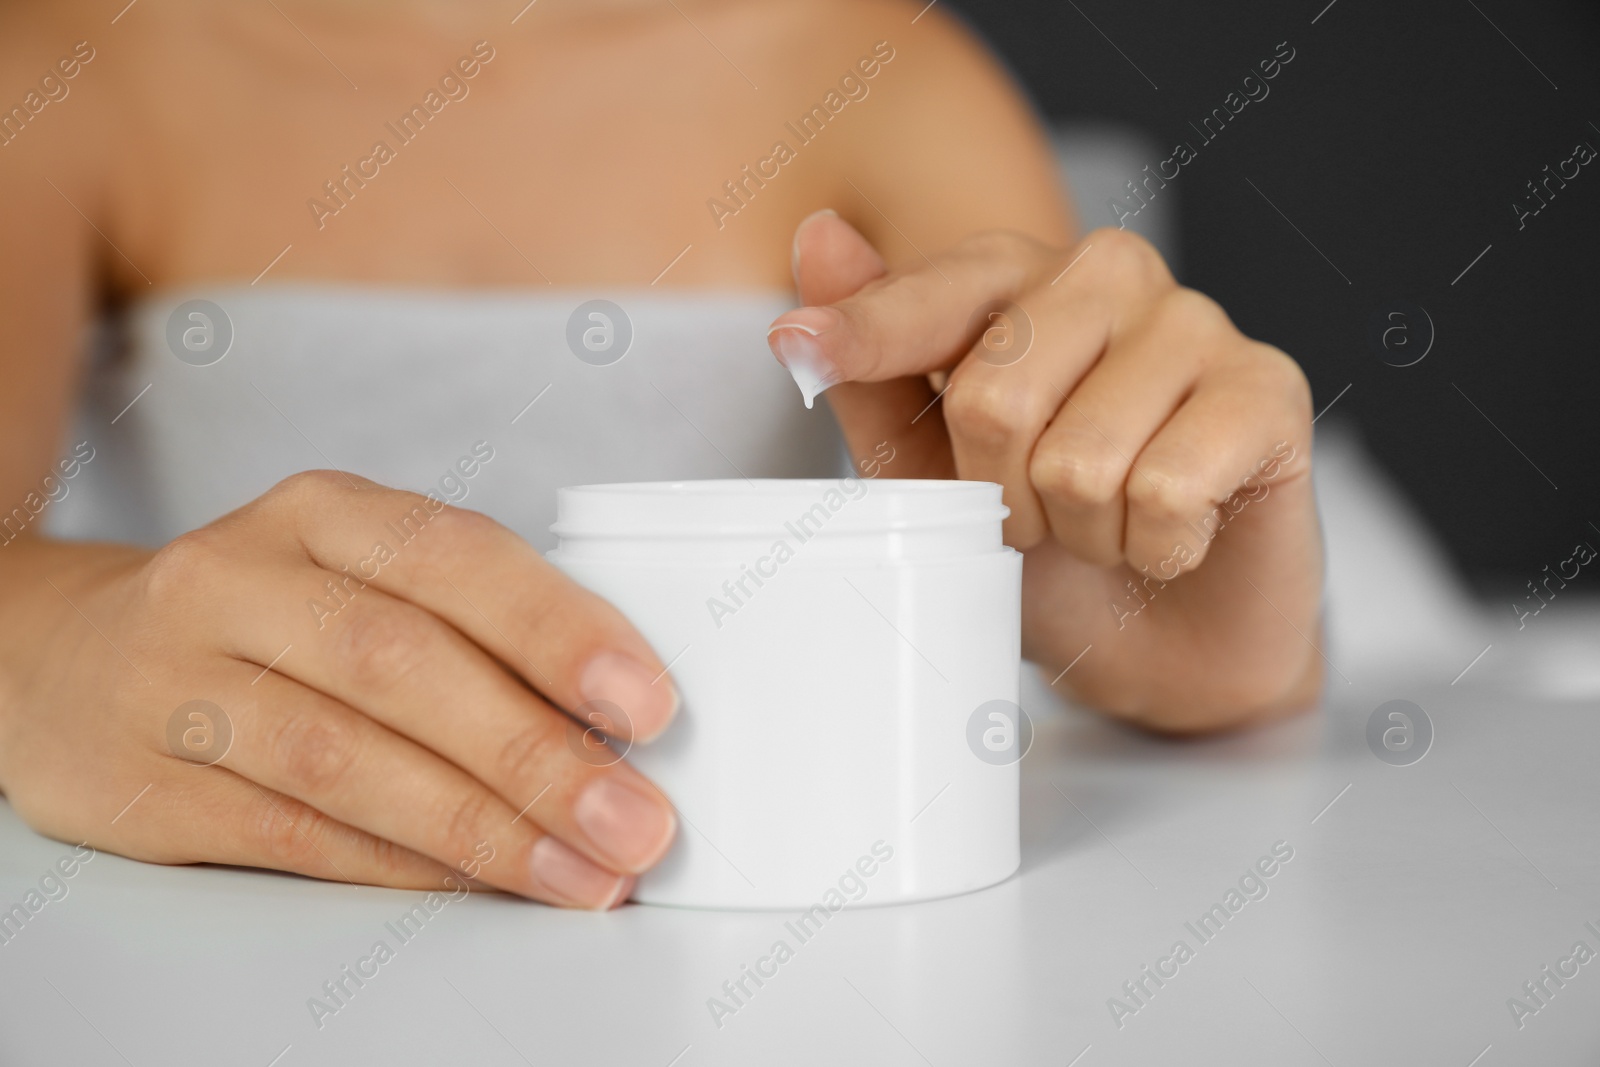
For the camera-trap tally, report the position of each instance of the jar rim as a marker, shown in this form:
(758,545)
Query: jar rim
(732,507)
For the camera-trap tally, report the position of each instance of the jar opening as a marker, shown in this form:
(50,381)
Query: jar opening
(870,518)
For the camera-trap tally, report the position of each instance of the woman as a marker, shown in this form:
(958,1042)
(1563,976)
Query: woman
(352,236)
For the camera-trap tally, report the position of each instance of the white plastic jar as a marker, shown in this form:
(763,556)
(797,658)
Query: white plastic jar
(841,648)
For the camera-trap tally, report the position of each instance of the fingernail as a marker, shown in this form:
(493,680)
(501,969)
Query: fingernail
(794,249)
(647,698)
(632,830)
(575,880)
(793,341)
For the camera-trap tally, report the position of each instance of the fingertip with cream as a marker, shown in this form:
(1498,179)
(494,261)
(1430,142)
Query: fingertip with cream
(794,341)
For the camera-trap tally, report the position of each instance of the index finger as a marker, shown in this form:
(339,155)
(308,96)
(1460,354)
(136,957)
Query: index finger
(912,322)
(486,582)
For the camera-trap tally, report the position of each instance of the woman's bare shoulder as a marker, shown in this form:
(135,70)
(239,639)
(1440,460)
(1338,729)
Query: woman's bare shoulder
(53,88)
(818,32)
(937,135)
(35,36)
(28,24)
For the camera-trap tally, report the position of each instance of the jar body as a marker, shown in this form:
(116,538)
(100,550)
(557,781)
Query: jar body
(826,718)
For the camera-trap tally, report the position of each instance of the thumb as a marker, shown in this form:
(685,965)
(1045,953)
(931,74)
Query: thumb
(831,261)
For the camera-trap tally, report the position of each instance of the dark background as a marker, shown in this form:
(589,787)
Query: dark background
(1397,141)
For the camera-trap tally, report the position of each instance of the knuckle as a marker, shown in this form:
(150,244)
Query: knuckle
(378,647)
(533,613)
(307,487)
(462,522)
(466,819)
(387,857)
(313,752)
(1166,497)
(1080,478)
(184,566)
(531,751)
(1119,242)
(1290,377)
(1129,254)
(988,408)
(1195,313)
(286,831)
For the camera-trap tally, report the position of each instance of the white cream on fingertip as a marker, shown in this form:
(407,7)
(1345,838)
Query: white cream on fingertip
(811,383)
(810,372)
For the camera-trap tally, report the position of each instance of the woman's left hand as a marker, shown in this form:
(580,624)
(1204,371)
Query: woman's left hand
(1155,460)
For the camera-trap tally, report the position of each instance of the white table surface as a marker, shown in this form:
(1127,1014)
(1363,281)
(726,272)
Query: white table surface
(1413,908)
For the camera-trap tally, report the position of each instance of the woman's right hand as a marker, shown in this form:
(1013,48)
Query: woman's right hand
(399,678)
